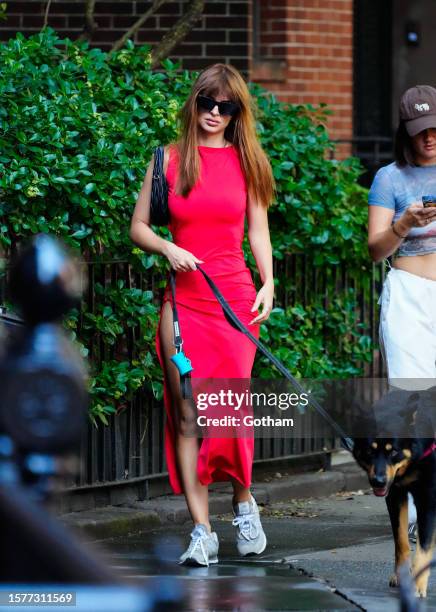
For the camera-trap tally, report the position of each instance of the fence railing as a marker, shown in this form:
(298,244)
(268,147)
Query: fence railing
(131,446)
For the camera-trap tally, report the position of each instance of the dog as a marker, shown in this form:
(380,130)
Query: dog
(399,456)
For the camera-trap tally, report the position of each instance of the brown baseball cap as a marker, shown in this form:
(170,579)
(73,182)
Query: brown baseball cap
(418,109)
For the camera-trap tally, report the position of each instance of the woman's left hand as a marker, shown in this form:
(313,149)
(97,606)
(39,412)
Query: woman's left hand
(265,299)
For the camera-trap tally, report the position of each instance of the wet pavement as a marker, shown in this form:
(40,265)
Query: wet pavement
(334,553)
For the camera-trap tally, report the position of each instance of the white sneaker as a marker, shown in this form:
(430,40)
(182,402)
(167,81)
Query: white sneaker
(411,508)
(203,548)
(250,537)
(412,518)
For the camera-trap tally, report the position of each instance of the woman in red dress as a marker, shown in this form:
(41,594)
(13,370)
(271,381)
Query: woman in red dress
(218,176)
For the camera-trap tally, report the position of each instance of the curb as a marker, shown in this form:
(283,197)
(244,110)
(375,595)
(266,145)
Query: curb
(115,521)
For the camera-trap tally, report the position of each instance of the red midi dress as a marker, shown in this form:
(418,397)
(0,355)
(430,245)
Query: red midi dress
(210,224)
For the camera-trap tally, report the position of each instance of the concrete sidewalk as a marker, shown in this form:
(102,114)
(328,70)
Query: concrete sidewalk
(324,553)
(330,546)
(114,521)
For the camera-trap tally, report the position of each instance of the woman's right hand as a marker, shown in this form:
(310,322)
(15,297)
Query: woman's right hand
(417,216)
(180,259)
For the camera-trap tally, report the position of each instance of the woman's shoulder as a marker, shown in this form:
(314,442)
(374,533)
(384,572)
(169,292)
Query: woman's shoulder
(389,170)
(382,188)
(170,150)
(390,176)
(171,156)
(171,147)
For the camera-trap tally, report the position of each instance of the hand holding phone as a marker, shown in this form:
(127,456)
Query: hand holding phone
(429,201)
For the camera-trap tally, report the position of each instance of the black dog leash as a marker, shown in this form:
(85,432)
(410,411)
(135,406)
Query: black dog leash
(184,365)
(179,359)
(231,317)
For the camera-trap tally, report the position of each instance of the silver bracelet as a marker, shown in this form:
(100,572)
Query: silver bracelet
(396,233)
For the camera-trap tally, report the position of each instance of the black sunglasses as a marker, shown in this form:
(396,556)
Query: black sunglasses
(224,108)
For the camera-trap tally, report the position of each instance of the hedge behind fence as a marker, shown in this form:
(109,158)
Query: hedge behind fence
(77,128)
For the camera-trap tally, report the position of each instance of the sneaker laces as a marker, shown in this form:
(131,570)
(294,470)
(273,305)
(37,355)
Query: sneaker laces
(197,538)
(247,528)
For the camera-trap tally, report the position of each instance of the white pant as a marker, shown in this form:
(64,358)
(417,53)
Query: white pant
(408,335)
(408,329)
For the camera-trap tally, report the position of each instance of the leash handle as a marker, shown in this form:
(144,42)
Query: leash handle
(231,317)
(185,378)
(176,325)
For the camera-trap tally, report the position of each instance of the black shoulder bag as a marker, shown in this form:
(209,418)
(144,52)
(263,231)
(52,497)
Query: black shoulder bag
(159,212)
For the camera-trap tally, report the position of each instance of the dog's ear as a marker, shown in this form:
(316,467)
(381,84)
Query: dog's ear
(362,423)
(426,415)
(394,412)
(409,410)
(403,408)
(420,413)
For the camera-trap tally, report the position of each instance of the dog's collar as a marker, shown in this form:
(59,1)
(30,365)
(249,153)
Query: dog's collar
(429,451)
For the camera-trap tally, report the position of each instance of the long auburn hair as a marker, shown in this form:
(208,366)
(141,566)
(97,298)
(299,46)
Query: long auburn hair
(241,132)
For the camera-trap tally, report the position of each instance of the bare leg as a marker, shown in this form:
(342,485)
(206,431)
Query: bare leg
(240,493)
(196,494)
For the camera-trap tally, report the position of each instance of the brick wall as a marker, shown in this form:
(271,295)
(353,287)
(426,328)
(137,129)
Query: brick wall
(219,36)
(300,49)
(305,54)
(272,33)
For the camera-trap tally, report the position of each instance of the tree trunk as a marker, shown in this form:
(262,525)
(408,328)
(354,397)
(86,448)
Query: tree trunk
(177,32)
(47,11)
(138,24)
(90,24)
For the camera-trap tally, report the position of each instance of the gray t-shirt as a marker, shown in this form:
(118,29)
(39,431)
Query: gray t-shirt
(397,188)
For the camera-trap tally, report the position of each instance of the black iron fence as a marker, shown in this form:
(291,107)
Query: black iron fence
(131,446)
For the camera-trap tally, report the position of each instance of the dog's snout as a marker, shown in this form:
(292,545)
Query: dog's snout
(379,481)
(379,485)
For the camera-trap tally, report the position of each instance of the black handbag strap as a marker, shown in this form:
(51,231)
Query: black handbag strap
(158,163)
(231,317)
(159,211)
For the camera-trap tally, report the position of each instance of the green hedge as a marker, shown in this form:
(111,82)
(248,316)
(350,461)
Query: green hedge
(77,127)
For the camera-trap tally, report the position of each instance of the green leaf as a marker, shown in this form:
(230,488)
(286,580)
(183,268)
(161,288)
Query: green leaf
(80,234)
(89,188)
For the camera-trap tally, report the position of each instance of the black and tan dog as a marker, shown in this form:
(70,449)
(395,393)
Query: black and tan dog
(399,460)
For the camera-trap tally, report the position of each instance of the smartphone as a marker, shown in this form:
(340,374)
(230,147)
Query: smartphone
(428,200)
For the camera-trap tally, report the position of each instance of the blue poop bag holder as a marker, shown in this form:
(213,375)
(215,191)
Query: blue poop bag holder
(183,364)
